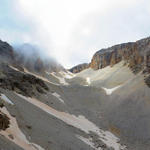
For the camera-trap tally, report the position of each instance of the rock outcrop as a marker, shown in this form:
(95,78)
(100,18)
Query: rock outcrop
(135,54)
(22,83)
(4,121)
(6,52)
(79,68)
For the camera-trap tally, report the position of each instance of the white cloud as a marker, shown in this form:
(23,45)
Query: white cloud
(73,30)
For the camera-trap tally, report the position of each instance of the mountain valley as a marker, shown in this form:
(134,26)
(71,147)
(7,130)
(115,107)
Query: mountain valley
(103,105)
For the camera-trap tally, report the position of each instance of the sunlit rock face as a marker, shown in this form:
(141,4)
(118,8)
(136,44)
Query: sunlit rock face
(135,54)
(79,68)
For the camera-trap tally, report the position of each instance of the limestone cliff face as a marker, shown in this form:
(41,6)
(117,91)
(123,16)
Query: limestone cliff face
(136,55)
(79,68)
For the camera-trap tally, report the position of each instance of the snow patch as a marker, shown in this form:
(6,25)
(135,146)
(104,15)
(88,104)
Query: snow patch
(63,75)
(58,97)
(88,80)
(67,75)
(6,99)
(110,91)
(79,122)
(40,77)
(17,135)
(61,79)
(14,68)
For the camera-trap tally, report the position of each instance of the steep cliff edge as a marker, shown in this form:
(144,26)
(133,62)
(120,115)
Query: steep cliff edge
(135,54)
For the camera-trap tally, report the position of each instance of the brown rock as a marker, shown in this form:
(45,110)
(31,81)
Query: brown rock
(4,121)
(79,68)
(135,54)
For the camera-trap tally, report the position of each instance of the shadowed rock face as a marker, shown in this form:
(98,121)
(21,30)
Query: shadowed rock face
(20,82)
(27,56)
(147,81)
(6,51)
(135,54)
(79,68)
(4,121)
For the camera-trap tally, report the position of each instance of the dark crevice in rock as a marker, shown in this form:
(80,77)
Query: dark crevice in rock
(147,81)
(4,121)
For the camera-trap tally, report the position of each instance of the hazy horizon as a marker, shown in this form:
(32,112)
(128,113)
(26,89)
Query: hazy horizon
(72,31)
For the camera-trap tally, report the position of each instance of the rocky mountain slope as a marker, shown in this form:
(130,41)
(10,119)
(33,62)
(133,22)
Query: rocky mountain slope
(125,108)
(103,107)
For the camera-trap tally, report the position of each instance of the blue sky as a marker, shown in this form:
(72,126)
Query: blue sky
(72,31)
(13,25)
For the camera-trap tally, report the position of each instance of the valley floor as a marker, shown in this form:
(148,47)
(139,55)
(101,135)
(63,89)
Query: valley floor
(92,110)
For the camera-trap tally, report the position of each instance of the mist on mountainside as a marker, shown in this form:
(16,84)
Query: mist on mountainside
(33,57)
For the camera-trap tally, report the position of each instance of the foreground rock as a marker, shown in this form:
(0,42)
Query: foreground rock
(4,121)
